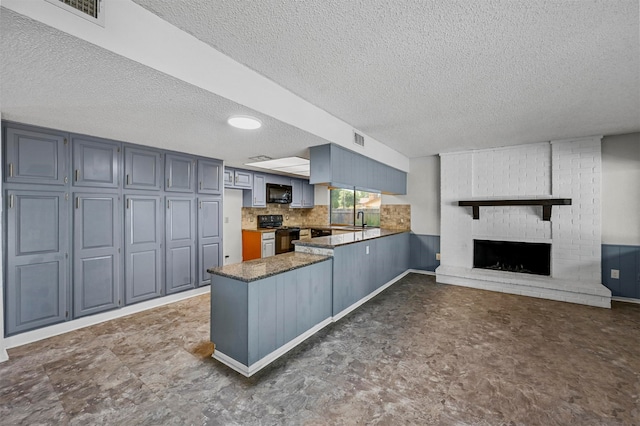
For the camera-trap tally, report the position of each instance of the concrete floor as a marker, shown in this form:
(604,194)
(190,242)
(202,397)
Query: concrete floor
(419,353)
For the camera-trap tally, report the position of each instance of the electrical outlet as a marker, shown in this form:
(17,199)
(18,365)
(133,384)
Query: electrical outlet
(437,256)
(401,220)
(226,219)
(286,217)
(367,250)
(250,219)
(615,274)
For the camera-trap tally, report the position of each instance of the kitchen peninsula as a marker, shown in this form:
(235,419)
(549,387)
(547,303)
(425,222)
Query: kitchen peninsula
(261,309)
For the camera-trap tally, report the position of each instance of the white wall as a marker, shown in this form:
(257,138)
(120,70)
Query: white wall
(232,226)
(423,193)
(621,189)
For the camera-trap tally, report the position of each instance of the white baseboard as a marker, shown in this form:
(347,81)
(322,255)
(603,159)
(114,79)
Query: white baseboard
(625,299)
(268,359)
(4,356)
(421,271)
(65,327)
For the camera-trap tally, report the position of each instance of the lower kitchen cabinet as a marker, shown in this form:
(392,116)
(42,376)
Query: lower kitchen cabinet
(256,244)
(209,236)
(143,248)
(180,248)
(96,253)
(37,280)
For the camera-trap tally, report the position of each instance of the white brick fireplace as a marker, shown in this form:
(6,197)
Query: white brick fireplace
(559,169)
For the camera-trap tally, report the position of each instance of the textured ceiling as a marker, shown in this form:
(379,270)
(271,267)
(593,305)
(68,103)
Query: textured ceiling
(55,80)
(429,77)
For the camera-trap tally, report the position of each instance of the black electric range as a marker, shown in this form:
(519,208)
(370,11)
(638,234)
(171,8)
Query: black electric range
(284,234)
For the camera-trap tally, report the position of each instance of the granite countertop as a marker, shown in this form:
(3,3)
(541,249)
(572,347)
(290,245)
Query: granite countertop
(347,238)
(257,269)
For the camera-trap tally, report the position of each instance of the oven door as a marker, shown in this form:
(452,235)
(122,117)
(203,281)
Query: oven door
(283,241)
(284,238)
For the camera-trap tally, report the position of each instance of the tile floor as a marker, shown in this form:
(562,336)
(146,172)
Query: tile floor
(419,353)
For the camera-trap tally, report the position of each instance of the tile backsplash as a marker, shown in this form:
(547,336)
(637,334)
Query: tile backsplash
(393,216)
(318,215)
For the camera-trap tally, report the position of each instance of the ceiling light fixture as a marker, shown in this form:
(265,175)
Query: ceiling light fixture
(244,122)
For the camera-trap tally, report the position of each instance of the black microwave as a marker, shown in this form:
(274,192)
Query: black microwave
(279,194)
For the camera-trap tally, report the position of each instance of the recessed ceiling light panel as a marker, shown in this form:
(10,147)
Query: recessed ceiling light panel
(244,122)
(292,165)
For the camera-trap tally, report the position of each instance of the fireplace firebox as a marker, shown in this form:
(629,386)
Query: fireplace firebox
(528,258)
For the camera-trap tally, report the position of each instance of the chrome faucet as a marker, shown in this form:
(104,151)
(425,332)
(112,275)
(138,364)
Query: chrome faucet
(358,215)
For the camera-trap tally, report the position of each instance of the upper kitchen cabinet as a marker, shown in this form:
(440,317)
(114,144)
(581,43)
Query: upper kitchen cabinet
(35,156)
(95,162)
(334,165)
(240,179)
(179,173)
(210,178)
(303,194)
(257,197)
(142,168)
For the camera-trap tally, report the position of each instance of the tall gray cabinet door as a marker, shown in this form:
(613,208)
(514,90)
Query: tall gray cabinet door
(179,173)
(210,180)
(143,248)
(142,169)
(37,287)
(95,162)
(35,157)
(209,236)
(96,261)
(180,236)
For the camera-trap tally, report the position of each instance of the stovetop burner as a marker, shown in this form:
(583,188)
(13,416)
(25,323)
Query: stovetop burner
(274,221)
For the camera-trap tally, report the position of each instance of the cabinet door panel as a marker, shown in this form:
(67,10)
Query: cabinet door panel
(210,177)
(242,179)
(143,245)
(96,261)
(228,177)
(296,193)
(209,236)
(179,173)
(143,169)
(95,163)
(180,239)
(259,191)
(37,286)
(308,194)
(35,157)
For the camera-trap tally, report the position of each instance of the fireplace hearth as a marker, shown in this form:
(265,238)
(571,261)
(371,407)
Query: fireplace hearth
(510,256)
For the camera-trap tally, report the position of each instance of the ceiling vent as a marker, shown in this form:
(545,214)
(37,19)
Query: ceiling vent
(92,10)
(358,139)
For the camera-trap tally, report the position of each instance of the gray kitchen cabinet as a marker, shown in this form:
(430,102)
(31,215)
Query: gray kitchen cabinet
(334,165)
(96,253)
(209,236)
(239,179)
(257,197)
(210,177)
(308,194)
(142,168)
(179,174)
(143,247)
(95,162)
(37,276)
(180,240)
(35,156)
(296,193)
(268,244)
(303,193)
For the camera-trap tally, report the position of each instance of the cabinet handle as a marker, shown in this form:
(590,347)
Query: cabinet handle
(200,184)
(77,202)
(10,169)
(200,205)
(128,202)
(77,175)
(66,179)
(128,179)
(11,201)
(168,204)
(168,183)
